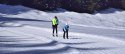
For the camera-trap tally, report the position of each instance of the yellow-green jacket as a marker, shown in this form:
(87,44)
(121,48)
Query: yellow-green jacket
(54,21)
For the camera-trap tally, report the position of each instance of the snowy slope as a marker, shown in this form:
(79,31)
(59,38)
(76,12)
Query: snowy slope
(28,40)
(107,18)
(28,31)
(106,22)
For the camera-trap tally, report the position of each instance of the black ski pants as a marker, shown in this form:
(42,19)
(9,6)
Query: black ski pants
(65,34)
(54,28)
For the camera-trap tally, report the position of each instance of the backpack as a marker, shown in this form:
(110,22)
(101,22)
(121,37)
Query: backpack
(66,27)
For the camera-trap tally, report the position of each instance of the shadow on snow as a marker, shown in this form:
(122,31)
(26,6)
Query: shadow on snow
(4,20)
(42,51)
(20,19)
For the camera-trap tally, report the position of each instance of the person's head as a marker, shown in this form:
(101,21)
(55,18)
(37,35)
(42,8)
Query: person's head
(66,23)
(56,17)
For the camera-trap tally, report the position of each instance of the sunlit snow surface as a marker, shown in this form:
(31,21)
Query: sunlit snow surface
(28,31)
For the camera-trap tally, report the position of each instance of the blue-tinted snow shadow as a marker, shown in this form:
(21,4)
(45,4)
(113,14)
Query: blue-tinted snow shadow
(75,38)
(25,45)
(71,37)
(4,20)
(20,19)
(39,51)
(53,43)
(12,39)
(96,48)
(42,51)
(60,50)
(79,43)
(3,24)
(13,9)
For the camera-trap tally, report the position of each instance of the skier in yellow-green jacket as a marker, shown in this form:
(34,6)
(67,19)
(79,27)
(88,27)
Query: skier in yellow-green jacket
(55,25)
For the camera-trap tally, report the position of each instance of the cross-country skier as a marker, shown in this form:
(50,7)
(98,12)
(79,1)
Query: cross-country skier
(55,25)
(65,30)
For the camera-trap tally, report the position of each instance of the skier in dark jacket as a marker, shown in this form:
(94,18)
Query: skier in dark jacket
(55,25)
(65,30)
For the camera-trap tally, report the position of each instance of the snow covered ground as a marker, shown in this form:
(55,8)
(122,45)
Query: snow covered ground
(28,31)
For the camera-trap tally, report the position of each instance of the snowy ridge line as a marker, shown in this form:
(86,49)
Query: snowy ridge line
(80,34)
(97,26)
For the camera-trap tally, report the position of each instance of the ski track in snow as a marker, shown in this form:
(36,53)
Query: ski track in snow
(28,31)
